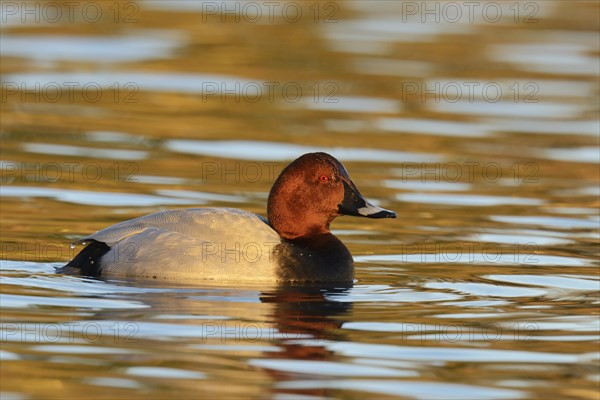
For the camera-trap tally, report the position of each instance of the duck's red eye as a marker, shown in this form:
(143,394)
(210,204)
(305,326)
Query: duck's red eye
(324,178)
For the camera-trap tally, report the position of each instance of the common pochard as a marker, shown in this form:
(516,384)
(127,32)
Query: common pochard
(295,244)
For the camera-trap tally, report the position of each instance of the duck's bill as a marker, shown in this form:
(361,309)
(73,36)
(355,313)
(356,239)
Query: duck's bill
(371,211)
(355,204)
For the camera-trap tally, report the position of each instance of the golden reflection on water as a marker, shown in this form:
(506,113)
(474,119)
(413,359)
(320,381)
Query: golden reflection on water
(481,134)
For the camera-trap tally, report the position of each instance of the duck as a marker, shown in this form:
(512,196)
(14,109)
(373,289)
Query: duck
(294,244)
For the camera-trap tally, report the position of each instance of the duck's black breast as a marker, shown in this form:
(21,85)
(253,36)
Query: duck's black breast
(321,258)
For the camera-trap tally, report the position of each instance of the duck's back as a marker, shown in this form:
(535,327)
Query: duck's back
(199,243)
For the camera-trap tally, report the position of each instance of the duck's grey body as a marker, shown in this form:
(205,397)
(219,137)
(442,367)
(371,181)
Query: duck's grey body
(197,243)
(222,244)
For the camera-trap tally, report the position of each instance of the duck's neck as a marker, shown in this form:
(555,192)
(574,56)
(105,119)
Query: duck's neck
(300,227)
(293,217)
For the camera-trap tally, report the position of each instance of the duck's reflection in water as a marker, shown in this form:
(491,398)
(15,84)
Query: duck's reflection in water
(230,324)
(306,312)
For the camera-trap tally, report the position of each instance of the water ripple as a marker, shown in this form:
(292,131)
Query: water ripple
(272,151)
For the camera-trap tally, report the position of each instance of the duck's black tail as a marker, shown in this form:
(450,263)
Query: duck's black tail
(87,262)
